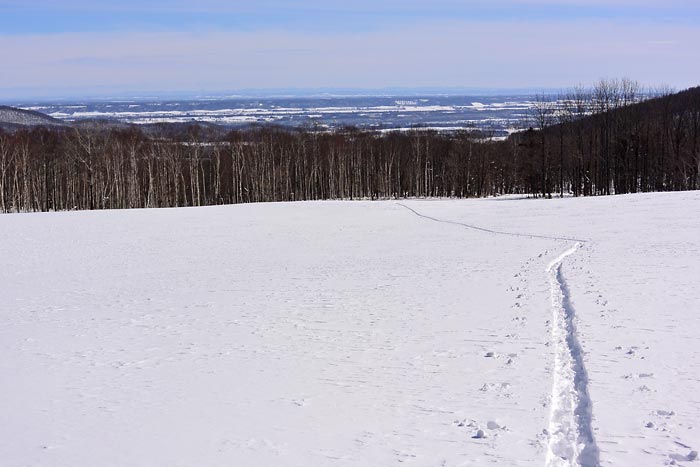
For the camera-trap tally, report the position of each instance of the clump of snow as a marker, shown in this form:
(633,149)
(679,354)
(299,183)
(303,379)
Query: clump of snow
(492,425)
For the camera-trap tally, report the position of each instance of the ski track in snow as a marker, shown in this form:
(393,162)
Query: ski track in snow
(571,441)
(497,232)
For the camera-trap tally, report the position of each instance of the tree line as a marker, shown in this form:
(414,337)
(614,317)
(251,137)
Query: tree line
(604,140)
(611,139)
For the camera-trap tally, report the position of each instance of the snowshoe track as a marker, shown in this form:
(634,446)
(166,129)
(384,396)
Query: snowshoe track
(571,440)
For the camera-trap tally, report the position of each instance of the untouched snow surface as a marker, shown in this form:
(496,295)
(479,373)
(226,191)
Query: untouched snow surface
(433,333)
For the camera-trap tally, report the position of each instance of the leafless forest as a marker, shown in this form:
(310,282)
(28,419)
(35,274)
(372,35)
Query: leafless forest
(595,141)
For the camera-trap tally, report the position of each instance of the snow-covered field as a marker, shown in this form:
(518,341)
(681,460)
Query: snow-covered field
(558,332)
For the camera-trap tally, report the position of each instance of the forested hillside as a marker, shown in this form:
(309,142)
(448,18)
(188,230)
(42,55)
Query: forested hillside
(595,141)
(603,141)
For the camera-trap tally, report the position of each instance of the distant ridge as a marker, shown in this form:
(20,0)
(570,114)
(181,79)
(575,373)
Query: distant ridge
(12,118)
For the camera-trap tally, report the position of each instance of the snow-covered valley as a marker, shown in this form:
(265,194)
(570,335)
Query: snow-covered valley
(510,332)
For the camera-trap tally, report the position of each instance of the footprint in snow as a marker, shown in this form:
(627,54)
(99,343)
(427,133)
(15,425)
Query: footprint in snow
(494,425)
(502,389)
(690,457)
(638,375)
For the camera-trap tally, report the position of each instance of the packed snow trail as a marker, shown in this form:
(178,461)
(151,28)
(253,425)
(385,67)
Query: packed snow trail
(571,442)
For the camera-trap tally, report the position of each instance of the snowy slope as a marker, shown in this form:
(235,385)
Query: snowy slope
(353,334)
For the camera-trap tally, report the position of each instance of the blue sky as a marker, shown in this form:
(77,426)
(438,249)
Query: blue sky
(55,48)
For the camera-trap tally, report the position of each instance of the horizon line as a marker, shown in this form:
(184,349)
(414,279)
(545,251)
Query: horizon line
(291,92)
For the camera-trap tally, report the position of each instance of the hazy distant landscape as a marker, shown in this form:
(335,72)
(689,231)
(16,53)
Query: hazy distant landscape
(497,114)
